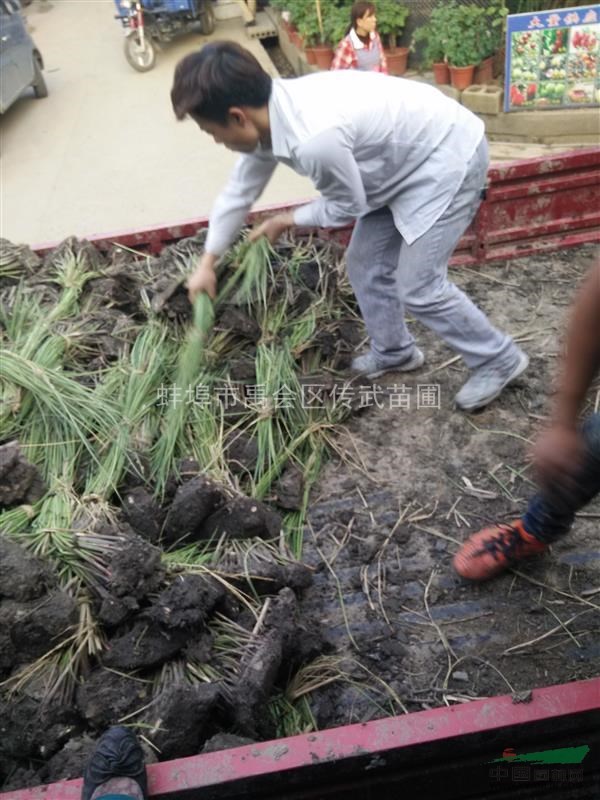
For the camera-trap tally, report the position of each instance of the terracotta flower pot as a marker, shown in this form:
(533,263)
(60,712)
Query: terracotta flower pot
(323,56)
(309,52)
(397,59)
(462,77)
(484,72)
(441,73)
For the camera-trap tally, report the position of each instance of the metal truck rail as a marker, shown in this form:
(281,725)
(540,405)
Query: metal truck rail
(503,747)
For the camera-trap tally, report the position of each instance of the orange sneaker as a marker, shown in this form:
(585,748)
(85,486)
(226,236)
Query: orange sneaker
(492,550)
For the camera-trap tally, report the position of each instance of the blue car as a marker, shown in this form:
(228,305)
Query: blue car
(21,62)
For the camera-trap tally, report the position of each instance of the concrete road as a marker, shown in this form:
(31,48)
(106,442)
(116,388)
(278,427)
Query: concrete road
(104,152)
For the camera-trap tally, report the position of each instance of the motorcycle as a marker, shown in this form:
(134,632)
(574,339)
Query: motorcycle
(149,24)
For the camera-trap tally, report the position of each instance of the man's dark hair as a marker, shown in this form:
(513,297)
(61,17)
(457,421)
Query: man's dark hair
(221,75)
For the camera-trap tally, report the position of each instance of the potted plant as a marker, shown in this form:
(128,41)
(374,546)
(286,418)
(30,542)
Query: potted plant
(336,21)
(309,31)
(319,26)
(391,18)
(434,53)
(286,9)
(491,39)
(294,13)
(462,41)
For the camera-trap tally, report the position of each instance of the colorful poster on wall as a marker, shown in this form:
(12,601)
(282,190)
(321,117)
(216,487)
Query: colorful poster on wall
(552,59)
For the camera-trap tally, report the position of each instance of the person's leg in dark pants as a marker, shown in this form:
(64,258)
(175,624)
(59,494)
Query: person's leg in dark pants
(550,514)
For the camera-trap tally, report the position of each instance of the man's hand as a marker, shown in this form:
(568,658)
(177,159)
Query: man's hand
(273,227)
(204,278)
(557,455)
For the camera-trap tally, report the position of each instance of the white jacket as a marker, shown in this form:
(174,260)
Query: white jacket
(366,140)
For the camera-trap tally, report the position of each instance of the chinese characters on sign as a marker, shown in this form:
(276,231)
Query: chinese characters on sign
(552,59)
(315,395)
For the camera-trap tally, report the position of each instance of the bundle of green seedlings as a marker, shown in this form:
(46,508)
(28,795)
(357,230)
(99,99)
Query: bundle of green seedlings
(263,284)
(84,431)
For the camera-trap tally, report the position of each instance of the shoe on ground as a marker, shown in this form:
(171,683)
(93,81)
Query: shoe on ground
(367,366)
(494,549)
(487,382)
(117,755)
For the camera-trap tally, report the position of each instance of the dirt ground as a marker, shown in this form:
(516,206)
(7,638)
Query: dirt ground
(382,538)
(375,607)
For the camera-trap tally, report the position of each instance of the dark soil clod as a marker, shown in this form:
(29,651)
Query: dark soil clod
(188,468)
(41,624)
(119,290)
(178,720)
(233,320)
(260,667)
(171,298)
(105,697)
(242,518)
(135,570)
(22,575)
(71,761)
(199,649)
(290,488)
(8,654)
(310,274)
(194,501)
(143,513)
(243,369)
(35,728)
(242,453)
(145,645)
(187,602)
(20,481)
(265,577)
(114,611)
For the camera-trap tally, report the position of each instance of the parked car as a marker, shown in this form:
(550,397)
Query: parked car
(21,62)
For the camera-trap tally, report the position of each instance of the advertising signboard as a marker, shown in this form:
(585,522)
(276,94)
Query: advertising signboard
(552,59)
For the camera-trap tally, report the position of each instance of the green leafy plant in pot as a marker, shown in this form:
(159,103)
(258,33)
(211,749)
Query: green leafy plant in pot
(293,14)
(491,39)
(433,53)
(462,40)
(319,25)
(391,19)
(336,21)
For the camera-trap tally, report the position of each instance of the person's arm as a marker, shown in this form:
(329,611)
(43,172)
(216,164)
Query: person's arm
(250,176)
(248,179)
(581,360)
(560,449)
(344,56)
(328,159)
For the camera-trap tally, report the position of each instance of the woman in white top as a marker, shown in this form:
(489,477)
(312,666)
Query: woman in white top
(361,48)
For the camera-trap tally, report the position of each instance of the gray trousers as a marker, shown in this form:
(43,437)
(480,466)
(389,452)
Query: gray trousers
(389,276)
